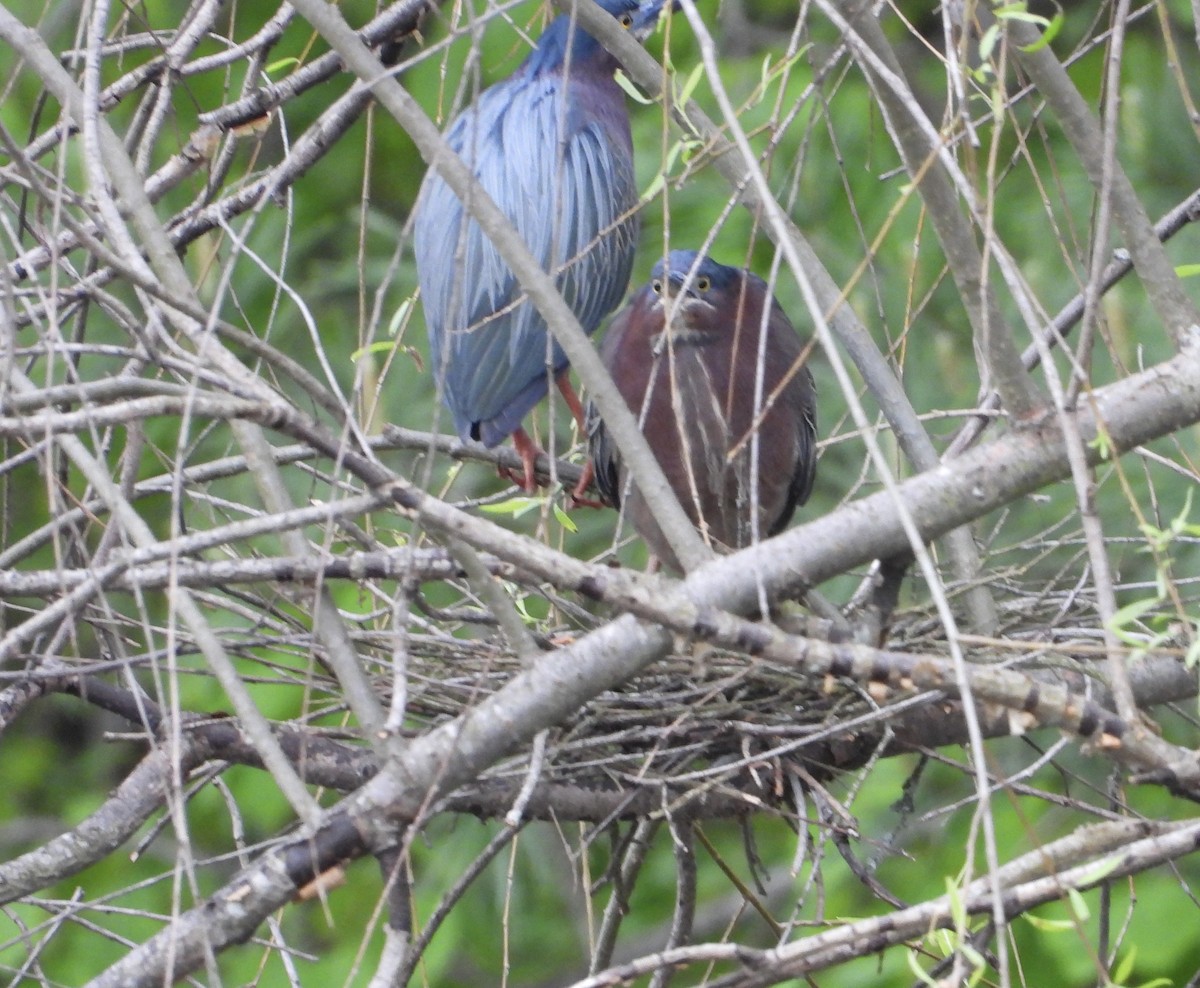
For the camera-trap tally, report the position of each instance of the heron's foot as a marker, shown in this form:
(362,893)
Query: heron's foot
(529,451)
(578,498)
(582,501)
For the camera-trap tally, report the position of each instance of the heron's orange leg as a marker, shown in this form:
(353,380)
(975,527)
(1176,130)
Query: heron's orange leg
(529,451)
(572,399)
(578,497)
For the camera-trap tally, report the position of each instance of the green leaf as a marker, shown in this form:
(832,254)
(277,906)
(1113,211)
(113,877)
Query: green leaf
(987,44)
(788,62)
(919,972)
(690,84)
(1180,522)
(655,187)
(958,908)
(514,506)
(523,610)
(565,519)
(383,346)
(1157,538)
(1052,29)
(386,346)
(630,89)
(982,74)
(1102,444)
(1124,966)
(690,146)
(1078,905)
(1127,615)
(673,153)
(1049,925)
(1020,12)
(1188,270)
(283,63)
(1098,872)
(1193,652)
(401,315)
(769,73)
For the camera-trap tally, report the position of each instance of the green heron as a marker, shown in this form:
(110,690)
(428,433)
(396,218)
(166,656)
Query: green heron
(727,403)
(551,145)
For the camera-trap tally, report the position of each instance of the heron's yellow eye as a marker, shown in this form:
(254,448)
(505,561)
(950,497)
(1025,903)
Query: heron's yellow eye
(703,283)
(626,20)
(656,284)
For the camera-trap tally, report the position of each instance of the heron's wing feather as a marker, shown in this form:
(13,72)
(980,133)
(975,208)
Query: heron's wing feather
(488,341)
(801,399)
(605,457)
(598,225)
(806,467)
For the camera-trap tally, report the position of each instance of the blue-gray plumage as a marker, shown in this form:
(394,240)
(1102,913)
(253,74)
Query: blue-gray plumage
(551,145)
(724,386)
